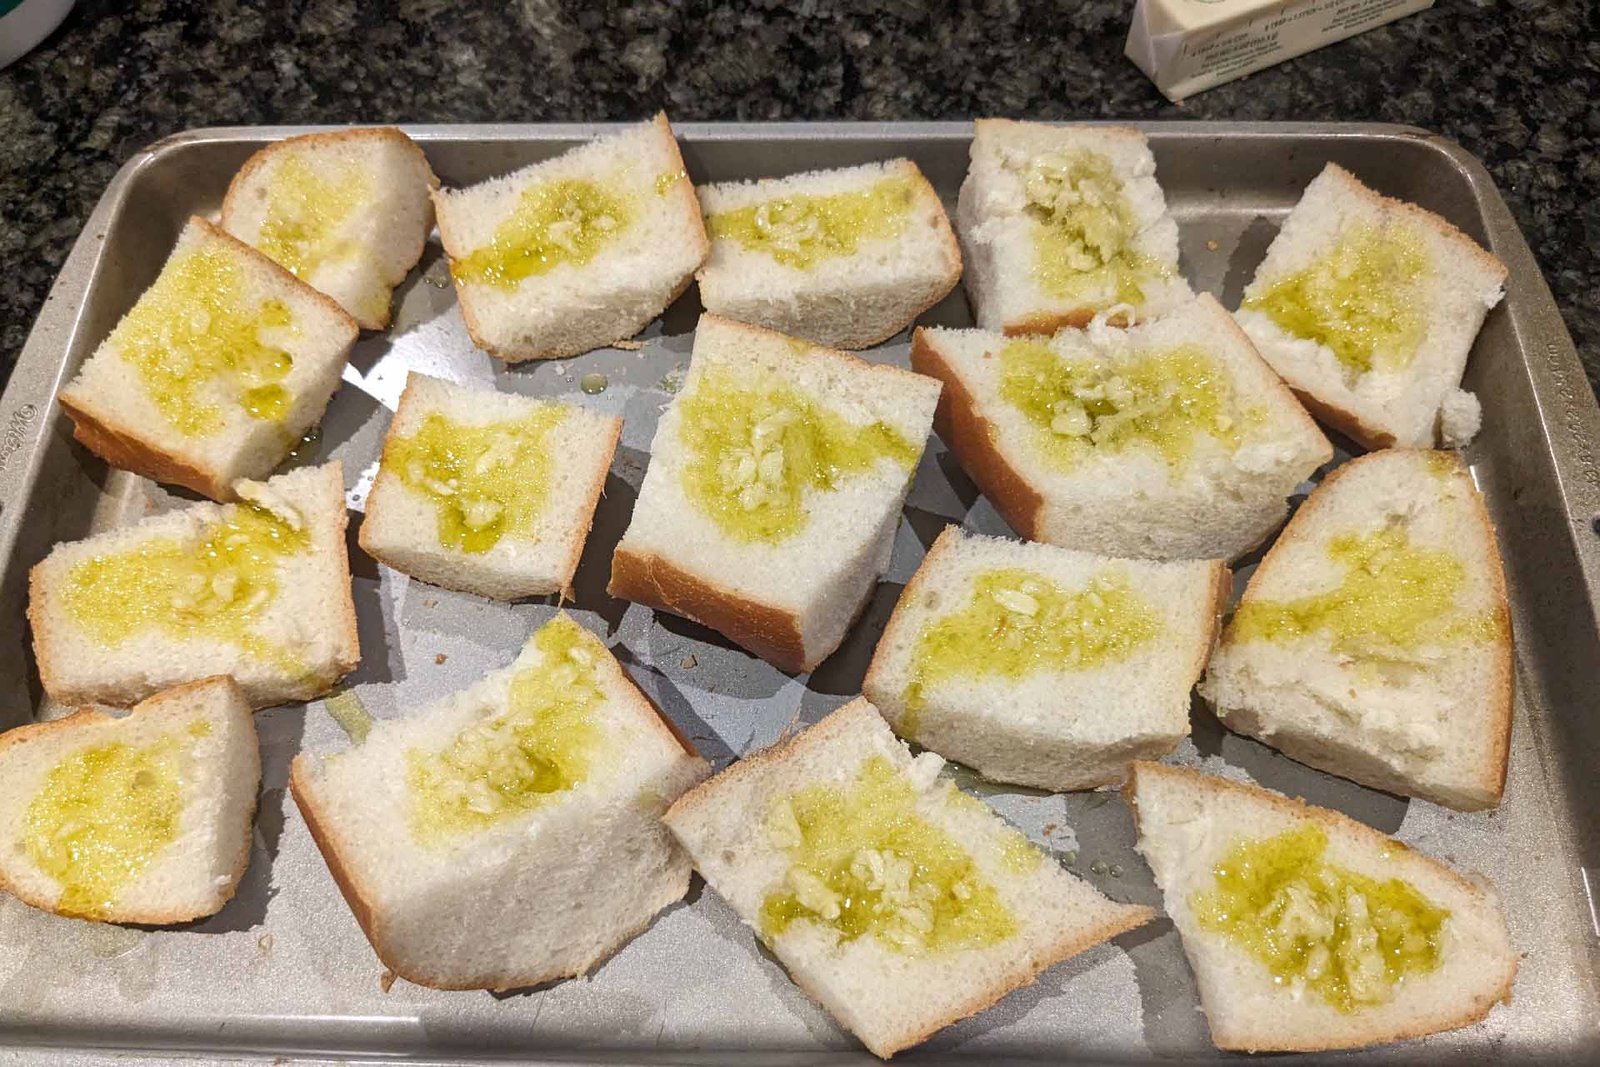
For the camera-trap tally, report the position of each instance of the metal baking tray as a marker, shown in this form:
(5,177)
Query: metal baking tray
(283,970)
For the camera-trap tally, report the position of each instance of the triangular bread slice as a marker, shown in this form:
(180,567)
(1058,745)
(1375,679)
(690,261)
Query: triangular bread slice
(1315,958)
(1061,223)
(1374,640)
(487,492)
(219,369)
(576,252)
(773,494)
(346,212)
(1368,307)
(896,901)
(1042,666)
(259,590)
(1169,440)
(846,258)
(142,817)
(509,834)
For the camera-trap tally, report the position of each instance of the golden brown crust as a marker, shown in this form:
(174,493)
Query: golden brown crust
(1336,823)
(655,581)
(150,707)
(1344,420)
(122,446)
(334,139)
(971,438)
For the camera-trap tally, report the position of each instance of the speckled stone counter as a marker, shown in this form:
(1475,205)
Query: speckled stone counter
(1515,81)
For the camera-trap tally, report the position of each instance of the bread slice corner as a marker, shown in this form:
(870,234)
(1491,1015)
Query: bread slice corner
(404,524)
(575,307)
(117,415)
(889,998)
(196,739)
(377,183)
(1188,824)
(1421,710)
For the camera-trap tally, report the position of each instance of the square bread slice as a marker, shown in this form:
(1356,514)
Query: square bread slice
(1368,307)
(1045,667)
(1168,440)
(1374,640)
(896,901)
(220,367)
(486,492)
(773,494)
(576,252)
(1307,930)
(348,213)
(509,834)
(142,817)
(1061,223)
(846,258)
(259,590)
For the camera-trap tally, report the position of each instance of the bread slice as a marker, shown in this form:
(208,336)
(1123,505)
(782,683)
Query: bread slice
(1368,307)
(774,489)
(486,492)
(1060,223)
(897,902)
(1042,666)
(1169,440)
(259,590)
(137,818)
(509,834)
(578,251)
(1374,640)
(1194,827)
(346,212)
(219,369)
(846,258)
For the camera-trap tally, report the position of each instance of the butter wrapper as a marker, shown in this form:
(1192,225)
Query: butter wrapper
(1185,46)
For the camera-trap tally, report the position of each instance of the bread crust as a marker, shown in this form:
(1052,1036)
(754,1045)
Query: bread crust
(336,138)
(1021,972)
(152,706)
(1335,823)
(1493,773)
(655,581)
(1422,217)
(973,440)
(687,203)
(871,683)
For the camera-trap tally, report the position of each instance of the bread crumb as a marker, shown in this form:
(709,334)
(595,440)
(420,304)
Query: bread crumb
(386,980)
(429,602)
(689,662)
(1211,246)
(264,943)
(440,658)
(628,346)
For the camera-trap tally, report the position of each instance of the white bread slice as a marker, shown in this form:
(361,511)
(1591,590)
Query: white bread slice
(1189,823)
(135,818)
(790,598)
(637,265)
(846,258)
(461,885)
(176,597)
(1064,666)
(530,472)
(216,299)
(1006,914)
(346,212)
(1423,711)
(1417,404)
(1015,177)
(1219,496)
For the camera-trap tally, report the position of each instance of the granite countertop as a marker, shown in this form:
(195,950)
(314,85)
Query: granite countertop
(1514,81)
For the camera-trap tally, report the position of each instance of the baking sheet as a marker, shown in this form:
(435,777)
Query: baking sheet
(284,970)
